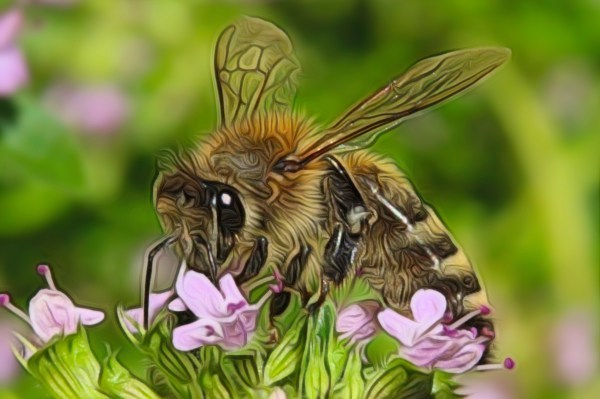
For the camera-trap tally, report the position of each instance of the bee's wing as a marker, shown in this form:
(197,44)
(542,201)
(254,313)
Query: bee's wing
(255,70)
(427,83)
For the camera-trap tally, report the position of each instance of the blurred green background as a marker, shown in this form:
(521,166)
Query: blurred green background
(512,166)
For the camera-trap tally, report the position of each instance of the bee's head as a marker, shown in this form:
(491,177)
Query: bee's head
(205,217)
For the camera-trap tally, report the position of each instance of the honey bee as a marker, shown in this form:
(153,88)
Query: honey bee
(268,187)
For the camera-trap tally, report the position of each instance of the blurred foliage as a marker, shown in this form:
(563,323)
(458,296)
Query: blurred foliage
(512,166)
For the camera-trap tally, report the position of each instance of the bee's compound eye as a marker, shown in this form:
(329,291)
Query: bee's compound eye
(225,198)
(231,211)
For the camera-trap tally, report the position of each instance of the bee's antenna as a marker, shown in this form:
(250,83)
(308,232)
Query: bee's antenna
(147,276)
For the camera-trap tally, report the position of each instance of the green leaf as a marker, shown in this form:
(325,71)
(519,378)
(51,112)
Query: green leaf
(117,382)
(42,147)
(287,354)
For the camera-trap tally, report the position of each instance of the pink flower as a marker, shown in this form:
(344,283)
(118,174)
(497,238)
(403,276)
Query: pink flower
(487,386)
(13,69)
(60,3)
(98,109)
(51,312)
(225,317)
(10,366)
(277,393)
(278,286)
(357,321)
(430,344)
(135,316)
(574,348)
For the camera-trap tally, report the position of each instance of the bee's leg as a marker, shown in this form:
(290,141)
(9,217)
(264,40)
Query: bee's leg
(256,260)
(313,307)
(147,276)
(281,300)
(349,214)
(340,253)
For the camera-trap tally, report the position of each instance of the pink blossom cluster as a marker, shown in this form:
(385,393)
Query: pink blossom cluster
(426,340)
(51,314)
(223,315)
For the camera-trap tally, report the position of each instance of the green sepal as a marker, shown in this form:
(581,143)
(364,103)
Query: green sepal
(381,349)
(399,379)
(353,290)
(286,356)
(215,380)
(351,384)
(443,386)
(315,377)
(67,368)
(117,382)
(245,367)
(177,369)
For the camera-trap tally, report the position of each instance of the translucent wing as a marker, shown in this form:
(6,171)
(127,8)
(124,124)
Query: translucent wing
(427,83)
(255,69)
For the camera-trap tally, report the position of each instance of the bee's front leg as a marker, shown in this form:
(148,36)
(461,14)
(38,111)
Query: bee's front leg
(291,276)
(325,285)
(255,262)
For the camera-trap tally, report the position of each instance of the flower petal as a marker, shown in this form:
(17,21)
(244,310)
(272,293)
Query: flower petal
(90,317)
(199,333)
(453,353)
(463,360)
(234,299)
(427,351)
(200,295)
(98,109)
(247,317)
(402,328)
(13,70)
(277,393)
(11,23)
(155,305)
(428,307)
(236,335)
(356,321)
(52,313)
(177,305)
(10,366)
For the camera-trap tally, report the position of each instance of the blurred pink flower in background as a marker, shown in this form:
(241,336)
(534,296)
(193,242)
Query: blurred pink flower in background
(496,385)
(13,69)
(61,3)
(96,109)
(10,367)
(573,345)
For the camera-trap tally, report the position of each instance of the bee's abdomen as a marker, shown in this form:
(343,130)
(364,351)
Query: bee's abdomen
(405,246)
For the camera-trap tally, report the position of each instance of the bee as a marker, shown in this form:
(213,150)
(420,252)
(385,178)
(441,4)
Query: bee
(269,187)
